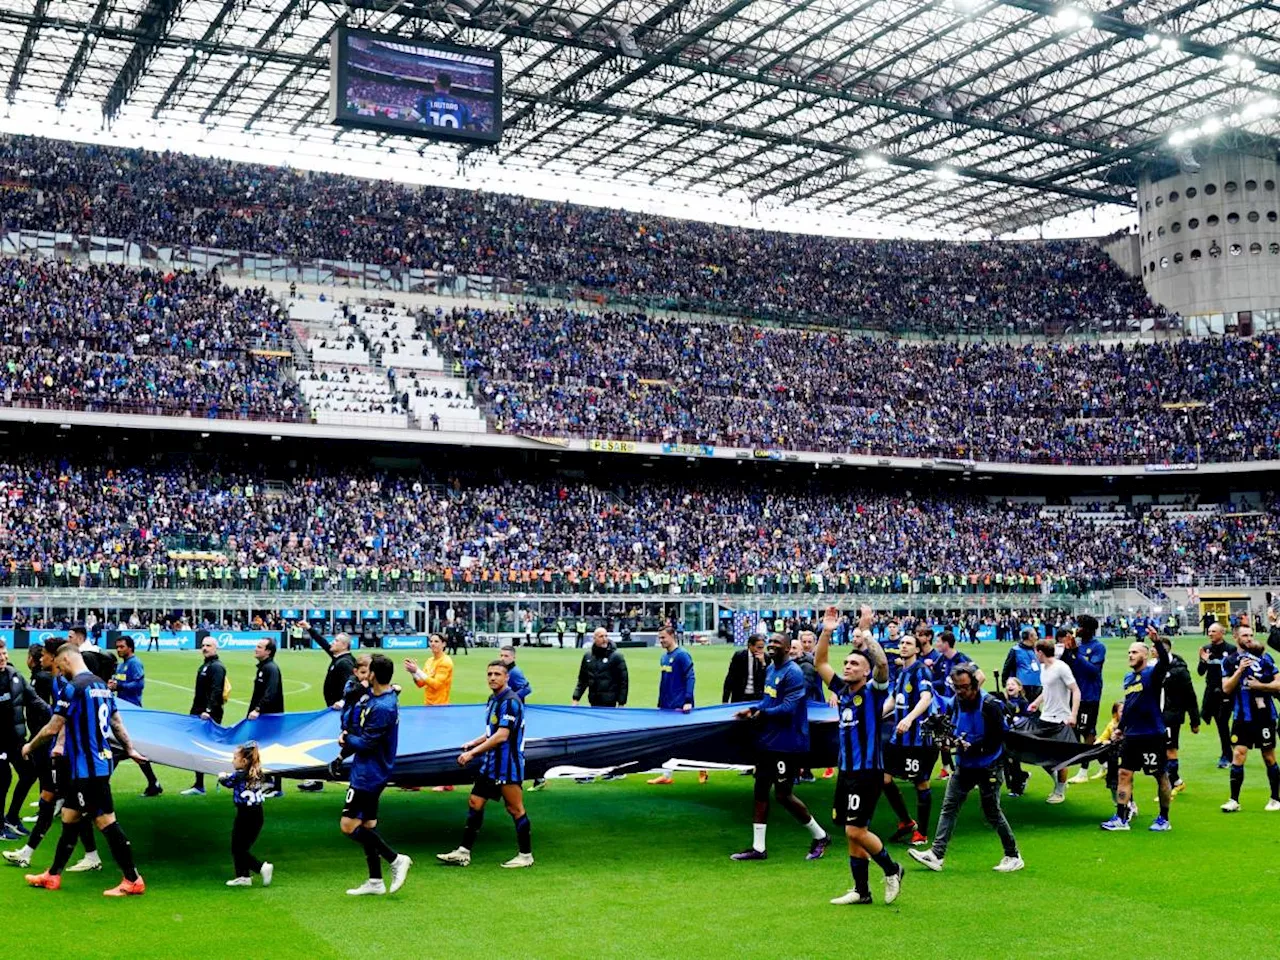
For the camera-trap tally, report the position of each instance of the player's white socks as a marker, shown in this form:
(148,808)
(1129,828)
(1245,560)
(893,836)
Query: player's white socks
(757,836)
(815,829)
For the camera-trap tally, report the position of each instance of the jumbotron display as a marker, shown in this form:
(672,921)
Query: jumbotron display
(433,90)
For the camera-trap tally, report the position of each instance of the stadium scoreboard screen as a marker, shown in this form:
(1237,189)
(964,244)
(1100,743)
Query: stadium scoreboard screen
(424,89)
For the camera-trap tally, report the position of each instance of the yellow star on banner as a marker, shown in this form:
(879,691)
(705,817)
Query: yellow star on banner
(280,755)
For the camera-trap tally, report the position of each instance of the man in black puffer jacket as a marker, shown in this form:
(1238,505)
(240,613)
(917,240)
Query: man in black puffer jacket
(603,674)
(1179,705)
(20,705)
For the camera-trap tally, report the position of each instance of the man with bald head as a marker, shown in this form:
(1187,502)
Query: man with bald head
(206,702)
(1215,708)
(602,676)
(342,666)
(1143,747)
(603,673)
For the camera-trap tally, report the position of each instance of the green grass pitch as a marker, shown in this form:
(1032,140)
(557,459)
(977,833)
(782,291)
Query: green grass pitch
(628,870)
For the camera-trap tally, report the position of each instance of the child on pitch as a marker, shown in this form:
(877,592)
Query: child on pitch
(1015,708)
(248,791)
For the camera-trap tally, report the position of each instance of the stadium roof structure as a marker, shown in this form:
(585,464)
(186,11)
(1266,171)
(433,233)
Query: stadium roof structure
(973,113)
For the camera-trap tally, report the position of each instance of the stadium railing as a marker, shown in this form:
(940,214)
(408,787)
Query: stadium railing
(22,575)
(298,415)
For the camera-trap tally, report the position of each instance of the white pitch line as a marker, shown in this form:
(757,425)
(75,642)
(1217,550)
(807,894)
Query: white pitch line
(178,686)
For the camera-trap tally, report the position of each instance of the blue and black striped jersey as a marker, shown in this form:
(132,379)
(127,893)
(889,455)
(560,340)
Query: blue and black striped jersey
(88,706)
(1246,704)
(860,713)
(907,688)
(505,762)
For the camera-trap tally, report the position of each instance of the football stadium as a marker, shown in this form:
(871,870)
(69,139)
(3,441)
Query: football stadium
(616,478)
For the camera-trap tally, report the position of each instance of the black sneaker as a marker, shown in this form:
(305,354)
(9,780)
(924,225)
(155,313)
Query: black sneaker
(17,828)
(153,791)
(311,786)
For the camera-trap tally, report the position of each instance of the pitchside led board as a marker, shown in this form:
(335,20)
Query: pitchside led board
(432,90)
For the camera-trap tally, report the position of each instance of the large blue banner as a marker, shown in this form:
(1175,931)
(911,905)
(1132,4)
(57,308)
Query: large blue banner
(430,739)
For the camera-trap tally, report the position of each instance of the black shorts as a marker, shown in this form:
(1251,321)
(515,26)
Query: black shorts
(43,765)
(856,797)
(90,797)
(59,775)
(1254,733)
(361,804)
(910,763)
(1087,718)
(776,770)
(488,788)
(1172,734)
(1145,752)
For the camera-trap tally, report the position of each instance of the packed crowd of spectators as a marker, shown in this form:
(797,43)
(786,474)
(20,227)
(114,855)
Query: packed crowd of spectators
(559,372)
(204,525)
(102,337)
(376,57)
(881,284)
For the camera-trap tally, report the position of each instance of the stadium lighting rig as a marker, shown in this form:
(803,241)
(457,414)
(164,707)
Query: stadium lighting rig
(1208,127)
(1069,19)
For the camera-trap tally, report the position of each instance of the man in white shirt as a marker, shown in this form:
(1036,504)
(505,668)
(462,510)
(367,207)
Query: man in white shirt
(1058,705)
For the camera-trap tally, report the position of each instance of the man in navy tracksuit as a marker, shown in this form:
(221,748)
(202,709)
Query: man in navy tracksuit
(128,682)
(782,745)
(371,733)
(1086,655)
(675,684)
(979,724)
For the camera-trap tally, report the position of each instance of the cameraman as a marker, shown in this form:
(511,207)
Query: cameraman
(978,741)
